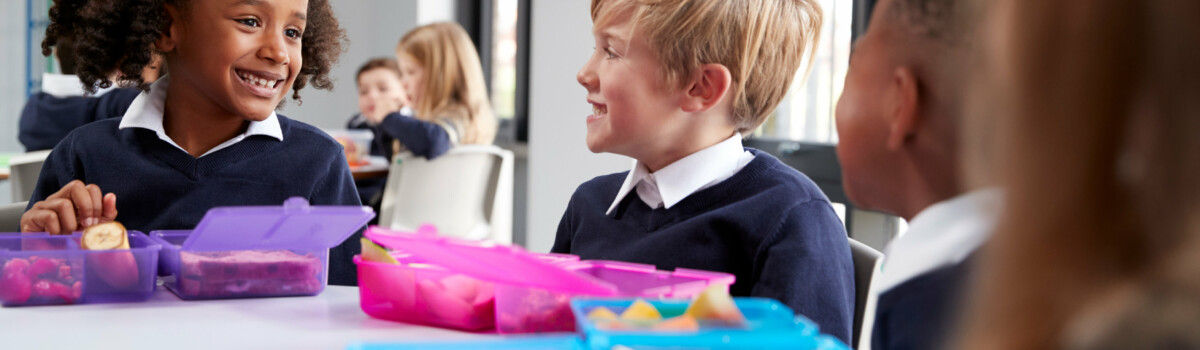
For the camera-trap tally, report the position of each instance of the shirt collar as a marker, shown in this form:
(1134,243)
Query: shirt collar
(944,234)
(146,112)
(689,174)
(67,85)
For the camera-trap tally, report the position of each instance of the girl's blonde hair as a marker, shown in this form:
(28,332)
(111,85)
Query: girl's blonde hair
(761,42)
(1097,145)
(454,89)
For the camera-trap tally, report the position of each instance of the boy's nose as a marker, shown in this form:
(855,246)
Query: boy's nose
(586,76)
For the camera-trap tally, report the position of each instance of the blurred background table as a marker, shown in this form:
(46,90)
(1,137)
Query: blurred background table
(376,167)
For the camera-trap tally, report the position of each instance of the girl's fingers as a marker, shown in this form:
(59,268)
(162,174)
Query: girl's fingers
(109,207)
(64,214)
(97,209)
(41,220)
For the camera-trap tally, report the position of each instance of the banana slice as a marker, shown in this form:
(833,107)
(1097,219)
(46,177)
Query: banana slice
(105,236)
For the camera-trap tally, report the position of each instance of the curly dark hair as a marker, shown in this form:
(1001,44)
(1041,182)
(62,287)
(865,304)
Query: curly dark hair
(119,35)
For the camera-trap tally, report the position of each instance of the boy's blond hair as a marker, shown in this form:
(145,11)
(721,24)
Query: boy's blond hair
(454,89)
(761,42)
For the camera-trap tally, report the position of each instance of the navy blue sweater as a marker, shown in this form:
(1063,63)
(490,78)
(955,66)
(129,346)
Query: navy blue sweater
(420,137)
(769,225)
(160,187)
(920,313)
(46,119)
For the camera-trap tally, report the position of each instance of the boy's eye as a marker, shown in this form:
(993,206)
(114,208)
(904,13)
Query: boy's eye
(293,33)
(253,22)
(610,52)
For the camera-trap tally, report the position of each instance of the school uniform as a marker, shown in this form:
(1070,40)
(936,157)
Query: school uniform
(160,186)
(918,294)
(729,209)
(48,116)
(401,132)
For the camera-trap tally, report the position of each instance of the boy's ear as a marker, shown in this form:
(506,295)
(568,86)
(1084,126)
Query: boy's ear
(166,42)
(904,107)
(708,88)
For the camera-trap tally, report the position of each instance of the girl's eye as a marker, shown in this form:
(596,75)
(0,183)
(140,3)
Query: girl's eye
(253,22)
(293,33)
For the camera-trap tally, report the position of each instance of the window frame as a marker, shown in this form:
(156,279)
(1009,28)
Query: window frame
(819,160)
(476,17)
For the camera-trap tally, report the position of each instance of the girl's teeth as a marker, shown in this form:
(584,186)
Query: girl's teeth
(270,84)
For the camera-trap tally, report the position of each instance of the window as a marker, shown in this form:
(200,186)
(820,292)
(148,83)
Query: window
(806,114)
(801,132)
(504,58)
(500,30)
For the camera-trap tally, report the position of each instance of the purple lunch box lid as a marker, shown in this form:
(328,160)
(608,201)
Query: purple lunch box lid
(294,225)
(489,261)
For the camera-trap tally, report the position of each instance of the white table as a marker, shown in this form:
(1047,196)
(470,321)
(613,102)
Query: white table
(331,320)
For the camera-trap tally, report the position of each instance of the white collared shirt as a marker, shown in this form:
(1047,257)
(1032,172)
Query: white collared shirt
(67,85)
(146,112)
(942,235)
(697,171)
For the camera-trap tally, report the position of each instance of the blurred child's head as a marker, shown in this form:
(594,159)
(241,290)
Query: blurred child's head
(898,115)
(654,58)
(443,78)
(238,56)
(378,79)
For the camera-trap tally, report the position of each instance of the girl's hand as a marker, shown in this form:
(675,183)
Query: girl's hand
(383,107)
(72,208)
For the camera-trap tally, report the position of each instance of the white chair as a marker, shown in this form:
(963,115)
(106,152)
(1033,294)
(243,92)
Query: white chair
(866,263)
(466,193)
(24,170)
(10,216)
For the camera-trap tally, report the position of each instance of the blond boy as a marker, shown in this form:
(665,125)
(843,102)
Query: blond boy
(675,84)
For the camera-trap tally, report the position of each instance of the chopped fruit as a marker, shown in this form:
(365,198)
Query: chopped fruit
(446,307)
(682,323)
(15,286)
(51,289)
(38,281)
(716,304)
(641,311)
(614,325)
(462,287)
(374,253)
(44,266)
(119,269)
(601,313)
(105,236)
(17,265)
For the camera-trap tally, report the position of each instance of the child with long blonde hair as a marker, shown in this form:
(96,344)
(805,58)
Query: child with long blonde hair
(443,80)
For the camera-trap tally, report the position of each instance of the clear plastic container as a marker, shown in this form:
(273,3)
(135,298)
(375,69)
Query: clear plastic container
(250,252)
(526,309)
(532,291)
(47,270)
(422,293)
(769,325)
(356,143)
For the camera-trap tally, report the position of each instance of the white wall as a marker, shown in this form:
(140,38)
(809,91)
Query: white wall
(560,43)
(12,74)
(429,11)
(374,27)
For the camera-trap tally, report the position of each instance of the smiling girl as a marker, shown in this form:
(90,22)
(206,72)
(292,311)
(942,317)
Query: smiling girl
(204,135)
